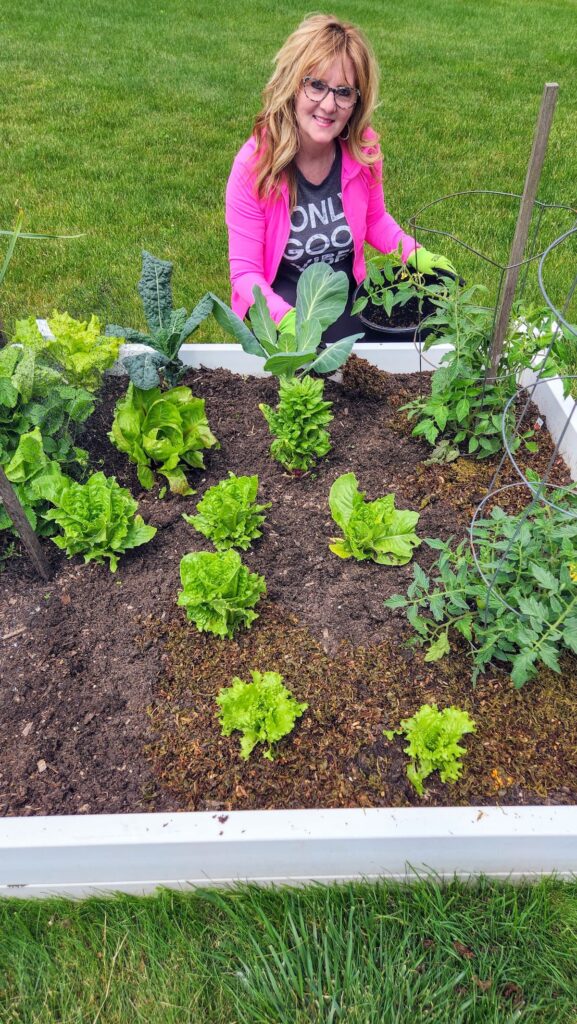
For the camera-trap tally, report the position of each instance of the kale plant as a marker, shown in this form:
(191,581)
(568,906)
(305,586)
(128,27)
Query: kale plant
(372,529)
(166,428)
(533,559)
(228,514)
(263,710)
(218,591)
(97,519)
(298,423)
(168,328)
(322,295)
(433,745)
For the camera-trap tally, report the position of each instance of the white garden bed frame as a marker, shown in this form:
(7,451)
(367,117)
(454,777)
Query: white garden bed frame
(81,855)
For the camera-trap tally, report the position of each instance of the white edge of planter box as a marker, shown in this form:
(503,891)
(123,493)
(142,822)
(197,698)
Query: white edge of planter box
(137,853)
(79,856)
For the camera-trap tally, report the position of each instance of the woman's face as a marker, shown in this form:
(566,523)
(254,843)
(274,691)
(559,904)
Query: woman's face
(321,122)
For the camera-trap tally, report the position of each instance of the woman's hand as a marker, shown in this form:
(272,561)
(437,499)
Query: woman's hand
(426,262)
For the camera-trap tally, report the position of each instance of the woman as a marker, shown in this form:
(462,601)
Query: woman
(307,186)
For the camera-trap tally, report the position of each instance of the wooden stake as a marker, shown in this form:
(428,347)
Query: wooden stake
(536,159)
(27,535)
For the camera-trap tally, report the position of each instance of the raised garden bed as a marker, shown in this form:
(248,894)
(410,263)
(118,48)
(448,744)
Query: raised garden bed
(108,694)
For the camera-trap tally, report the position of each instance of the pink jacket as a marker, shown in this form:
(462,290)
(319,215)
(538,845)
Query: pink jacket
(258,229)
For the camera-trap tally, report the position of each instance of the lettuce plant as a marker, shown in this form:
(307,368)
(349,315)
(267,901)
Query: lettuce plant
(298,423)
(372,529)
(263,710)
(97,519)
(168,328)
(219,592)
(228,514)
(322,295)
(166,428)
(78,346)
(35,393)
(433,745)
(27,470)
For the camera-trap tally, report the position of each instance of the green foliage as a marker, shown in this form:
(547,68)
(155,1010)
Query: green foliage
(298,423)
(228,514)
(463,408)
(28,468)
(433,745)
(168,328)
(167,428)
(263,710)
(539,620)
(219,592)
(372,529)
(321,298)
(391,283)
(78,346)
(97,518)
(35,393)
(537,331)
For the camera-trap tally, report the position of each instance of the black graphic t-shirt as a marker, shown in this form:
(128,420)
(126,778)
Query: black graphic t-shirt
(319,232)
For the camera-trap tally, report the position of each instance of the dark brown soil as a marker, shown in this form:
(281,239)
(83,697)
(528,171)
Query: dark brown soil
(107,693)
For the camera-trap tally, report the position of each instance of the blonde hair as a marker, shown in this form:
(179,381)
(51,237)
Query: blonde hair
(316,43)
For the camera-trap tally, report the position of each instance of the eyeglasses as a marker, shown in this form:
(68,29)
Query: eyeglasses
(316,90)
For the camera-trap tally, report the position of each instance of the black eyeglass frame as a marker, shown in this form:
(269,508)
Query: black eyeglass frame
(330,88)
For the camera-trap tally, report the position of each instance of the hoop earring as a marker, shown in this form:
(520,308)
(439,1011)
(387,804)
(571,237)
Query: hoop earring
(345,137)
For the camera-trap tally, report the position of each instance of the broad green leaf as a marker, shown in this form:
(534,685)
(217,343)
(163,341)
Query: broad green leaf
(285,364)
(322,295)
(143,369)
(262,322)
(344,496)
(309,336)
(334,355)
(544,577)
(233,324)
(201,311)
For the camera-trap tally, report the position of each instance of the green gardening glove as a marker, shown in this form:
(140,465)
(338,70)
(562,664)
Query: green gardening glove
(287,327)
(426,262)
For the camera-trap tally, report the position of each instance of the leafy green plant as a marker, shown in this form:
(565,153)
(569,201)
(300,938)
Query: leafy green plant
(298,423)
(322,295)
(263,710)
(391,283)
(536,330)
(77,345)
(433,745)
(228,514)
(531,561)
(26,470)
(35,393)
(167,428)
(219,592)
(168,328)
(464,408)
(372,529)
(97,518)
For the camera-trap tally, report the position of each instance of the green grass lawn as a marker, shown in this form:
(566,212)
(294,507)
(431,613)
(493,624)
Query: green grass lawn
(120,119)
(363,954)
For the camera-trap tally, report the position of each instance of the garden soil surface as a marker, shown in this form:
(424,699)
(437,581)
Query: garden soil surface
(107,693)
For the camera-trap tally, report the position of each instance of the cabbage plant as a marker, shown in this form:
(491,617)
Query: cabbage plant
(167,430)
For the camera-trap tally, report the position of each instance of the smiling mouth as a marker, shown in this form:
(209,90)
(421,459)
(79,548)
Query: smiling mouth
(324,121)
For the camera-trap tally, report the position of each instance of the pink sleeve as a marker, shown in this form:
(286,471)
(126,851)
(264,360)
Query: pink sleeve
(245,221)
(383,232)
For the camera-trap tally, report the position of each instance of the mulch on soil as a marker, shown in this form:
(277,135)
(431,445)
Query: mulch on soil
(107,695)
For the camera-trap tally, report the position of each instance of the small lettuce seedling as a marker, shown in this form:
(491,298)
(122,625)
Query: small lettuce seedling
(97,518)
(322,295)
(298,423)
(219,592)
(372,529)
(165,427)
(228,514)
(433,737)
(263,710)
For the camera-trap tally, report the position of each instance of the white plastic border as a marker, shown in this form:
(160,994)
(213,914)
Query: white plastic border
(81,855)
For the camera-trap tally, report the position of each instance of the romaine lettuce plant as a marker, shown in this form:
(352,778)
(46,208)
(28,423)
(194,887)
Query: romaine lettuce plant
(78,346)
(28,468)
(372,529)
(219,592)
(322,295)
(167,429)
(97,519)
(433,745)
(168,328)
(298,423)
(263,710)
(228,514)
